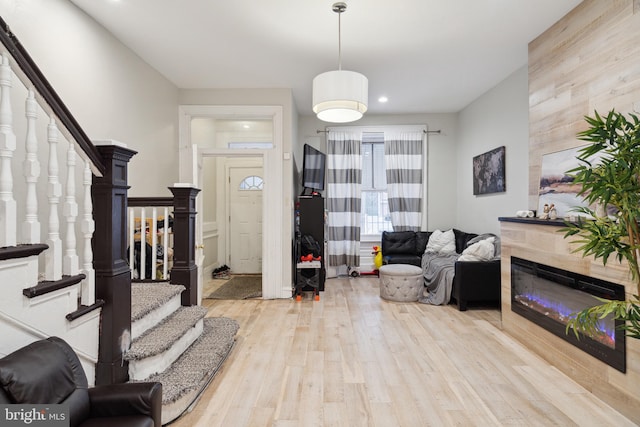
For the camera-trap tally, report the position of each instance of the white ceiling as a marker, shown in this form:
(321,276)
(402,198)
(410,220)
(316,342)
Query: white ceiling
(426,56)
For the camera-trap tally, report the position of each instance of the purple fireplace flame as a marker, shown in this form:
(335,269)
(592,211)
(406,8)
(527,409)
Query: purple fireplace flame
(549,297)
(560,312)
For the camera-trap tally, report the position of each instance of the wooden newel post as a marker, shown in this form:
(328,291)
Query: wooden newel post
(185,270)
(112,272)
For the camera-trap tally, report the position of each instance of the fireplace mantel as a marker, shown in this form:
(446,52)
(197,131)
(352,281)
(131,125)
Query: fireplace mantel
(542,241)
(536,221)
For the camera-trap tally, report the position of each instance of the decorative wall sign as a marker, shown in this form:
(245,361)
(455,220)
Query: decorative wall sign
(489,172)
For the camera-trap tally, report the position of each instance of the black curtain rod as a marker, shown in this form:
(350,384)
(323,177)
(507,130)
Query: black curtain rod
(424,131)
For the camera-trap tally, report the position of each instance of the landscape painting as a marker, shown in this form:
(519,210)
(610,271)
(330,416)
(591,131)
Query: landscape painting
(556,187)
(489,172)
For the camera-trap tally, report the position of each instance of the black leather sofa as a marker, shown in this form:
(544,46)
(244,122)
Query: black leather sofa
(473,282)
(49,372)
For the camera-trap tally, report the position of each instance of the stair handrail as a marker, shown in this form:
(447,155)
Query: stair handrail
(149,201)
(30,75)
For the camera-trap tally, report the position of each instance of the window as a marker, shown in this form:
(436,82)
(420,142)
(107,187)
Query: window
(375,216)
(251,183)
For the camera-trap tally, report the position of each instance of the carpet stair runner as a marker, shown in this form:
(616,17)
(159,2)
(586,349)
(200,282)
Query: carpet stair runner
(175,345)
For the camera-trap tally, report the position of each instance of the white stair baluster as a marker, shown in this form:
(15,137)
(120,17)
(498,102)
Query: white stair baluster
(154,243)
(87,227)
(53,257)
(8,220)
(70,261)
(165,244)
(131,240)
(31,169)
(143,244)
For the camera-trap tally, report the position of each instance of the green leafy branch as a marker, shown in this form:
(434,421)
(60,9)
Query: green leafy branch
(609,174)
(588,321)
(612,181)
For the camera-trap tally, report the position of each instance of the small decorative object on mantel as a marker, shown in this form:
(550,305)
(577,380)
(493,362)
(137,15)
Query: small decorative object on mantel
(553,213)
(525,214)
(545,212)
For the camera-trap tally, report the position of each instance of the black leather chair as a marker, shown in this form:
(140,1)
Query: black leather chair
(49,371)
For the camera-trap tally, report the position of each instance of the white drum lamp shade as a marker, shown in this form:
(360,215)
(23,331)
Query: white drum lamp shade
(340,96)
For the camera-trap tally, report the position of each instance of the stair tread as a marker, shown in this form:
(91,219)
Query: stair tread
(146,297)
(197,365)
(162,336)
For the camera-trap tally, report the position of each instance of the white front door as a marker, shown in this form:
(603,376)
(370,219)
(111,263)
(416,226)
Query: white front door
(245,219)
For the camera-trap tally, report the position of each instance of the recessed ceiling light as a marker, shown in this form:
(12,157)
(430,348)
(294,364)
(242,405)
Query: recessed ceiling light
(383,99)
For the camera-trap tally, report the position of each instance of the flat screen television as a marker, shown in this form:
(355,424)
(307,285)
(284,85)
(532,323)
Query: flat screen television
(313,169)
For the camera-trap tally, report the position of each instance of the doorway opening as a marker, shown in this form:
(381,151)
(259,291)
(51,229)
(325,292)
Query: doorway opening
(215,140)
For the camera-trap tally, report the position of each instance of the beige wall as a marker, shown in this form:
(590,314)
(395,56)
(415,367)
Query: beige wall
(112,93)
(498,118)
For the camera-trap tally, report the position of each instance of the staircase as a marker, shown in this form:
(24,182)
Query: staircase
(175,345)
(63,227)
(172,344)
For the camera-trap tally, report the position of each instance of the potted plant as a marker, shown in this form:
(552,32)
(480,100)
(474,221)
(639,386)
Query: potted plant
(612,182)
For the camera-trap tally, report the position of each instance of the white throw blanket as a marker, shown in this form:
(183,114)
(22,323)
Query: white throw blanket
(438,270)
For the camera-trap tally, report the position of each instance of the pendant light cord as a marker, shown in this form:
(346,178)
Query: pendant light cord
(338,8)
(339,41)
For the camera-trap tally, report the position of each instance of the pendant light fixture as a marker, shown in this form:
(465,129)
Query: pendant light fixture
(340,96)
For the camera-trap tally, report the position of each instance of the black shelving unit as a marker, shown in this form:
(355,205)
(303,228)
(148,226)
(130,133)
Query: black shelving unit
(310,276)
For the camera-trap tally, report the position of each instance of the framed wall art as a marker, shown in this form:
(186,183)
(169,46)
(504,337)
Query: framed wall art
(489,172)
(556,186)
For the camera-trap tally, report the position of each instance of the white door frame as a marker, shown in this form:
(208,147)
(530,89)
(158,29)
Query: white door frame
(273,237)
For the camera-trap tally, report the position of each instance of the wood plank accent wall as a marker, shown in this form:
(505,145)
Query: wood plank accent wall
(589,60)
(546,245)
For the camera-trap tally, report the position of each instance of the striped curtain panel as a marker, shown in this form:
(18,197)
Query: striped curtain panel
(344,182)
(403,164)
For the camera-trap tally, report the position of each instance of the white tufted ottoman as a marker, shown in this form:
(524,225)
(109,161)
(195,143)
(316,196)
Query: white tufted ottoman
(401,282)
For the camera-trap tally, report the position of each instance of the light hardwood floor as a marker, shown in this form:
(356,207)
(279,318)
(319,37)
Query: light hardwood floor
(352,359)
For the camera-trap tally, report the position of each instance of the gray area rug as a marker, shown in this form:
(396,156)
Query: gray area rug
(239,287)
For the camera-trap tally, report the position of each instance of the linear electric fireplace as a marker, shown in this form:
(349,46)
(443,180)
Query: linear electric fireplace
(548,296)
